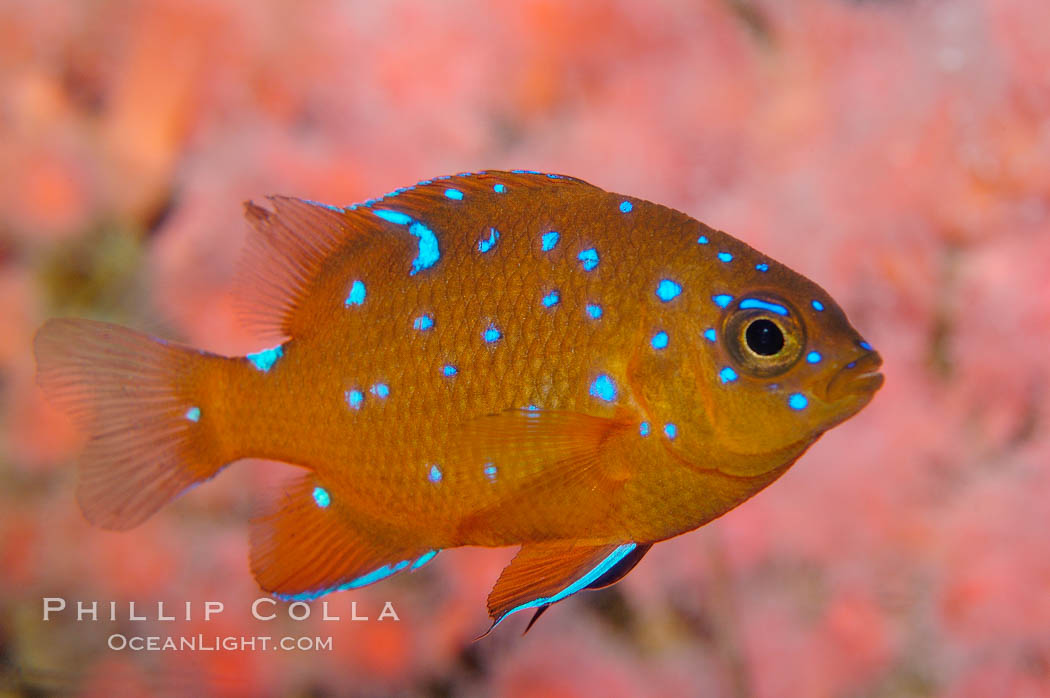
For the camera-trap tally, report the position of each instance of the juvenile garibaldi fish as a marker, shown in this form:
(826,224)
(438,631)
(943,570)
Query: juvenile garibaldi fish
(493,359)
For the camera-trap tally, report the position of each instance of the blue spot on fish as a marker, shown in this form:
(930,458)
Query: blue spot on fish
(643,428)
(550,299)
(354,398)
(603,388)
(818,306)
(813,357)
(499,188)
(486,245)
(428,248)
(727,375)
(449,370)
(798,401)
(710,334)
(490,471)
(321,497)
(865,346)
(725,257)
(763,267)
(626,207)
(722,299)
(265,359)
(454,194)
(429,252)
(395,217)
(659,340)
(594,310)
(670,431)
(491,334)
(380,390)
(423,322)
(589,257)
(549,240)
(756,303)
(667,290)
(435,474)
(356,295)
(702,240)
(193,414)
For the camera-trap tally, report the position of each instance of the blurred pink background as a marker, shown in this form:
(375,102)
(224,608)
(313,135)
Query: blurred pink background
(897,152)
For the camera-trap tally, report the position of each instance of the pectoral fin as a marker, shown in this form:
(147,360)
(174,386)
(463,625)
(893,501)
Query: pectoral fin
(543,456)
(545,573)
(555,447)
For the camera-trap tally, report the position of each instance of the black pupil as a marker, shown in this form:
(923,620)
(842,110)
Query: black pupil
(764,337)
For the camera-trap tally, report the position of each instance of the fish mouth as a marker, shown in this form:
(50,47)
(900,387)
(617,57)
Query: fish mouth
(858,377)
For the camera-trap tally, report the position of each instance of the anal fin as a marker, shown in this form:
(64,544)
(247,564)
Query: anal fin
(545,573)
(305,547)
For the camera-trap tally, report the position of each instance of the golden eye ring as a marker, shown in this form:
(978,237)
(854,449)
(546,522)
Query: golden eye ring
(763,336)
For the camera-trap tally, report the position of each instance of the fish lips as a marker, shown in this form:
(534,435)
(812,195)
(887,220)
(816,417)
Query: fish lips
(858,378)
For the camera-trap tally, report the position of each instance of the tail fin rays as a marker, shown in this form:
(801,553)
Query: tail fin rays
(150,438)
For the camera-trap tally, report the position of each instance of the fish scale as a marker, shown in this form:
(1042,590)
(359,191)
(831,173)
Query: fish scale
(495,358)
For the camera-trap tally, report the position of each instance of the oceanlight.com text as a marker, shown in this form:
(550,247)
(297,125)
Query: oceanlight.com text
(216,643)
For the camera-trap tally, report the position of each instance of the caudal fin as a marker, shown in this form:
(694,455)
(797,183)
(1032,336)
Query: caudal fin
(143,403)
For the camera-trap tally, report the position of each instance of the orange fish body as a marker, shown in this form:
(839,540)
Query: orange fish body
(489,359)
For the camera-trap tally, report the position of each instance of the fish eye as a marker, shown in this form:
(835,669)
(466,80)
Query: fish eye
(764,337)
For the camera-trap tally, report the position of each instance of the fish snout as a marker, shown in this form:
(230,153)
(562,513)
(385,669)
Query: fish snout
(858,377)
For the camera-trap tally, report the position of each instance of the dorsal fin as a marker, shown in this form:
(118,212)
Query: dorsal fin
(291,245)
(284,254)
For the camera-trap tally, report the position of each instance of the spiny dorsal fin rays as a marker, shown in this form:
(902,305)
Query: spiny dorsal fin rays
(429,194)
(283,256)
(290,246)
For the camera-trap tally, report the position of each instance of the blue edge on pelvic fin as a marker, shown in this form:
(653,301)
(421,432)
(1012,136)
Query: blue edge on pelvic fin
(593,579)
(364,580)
